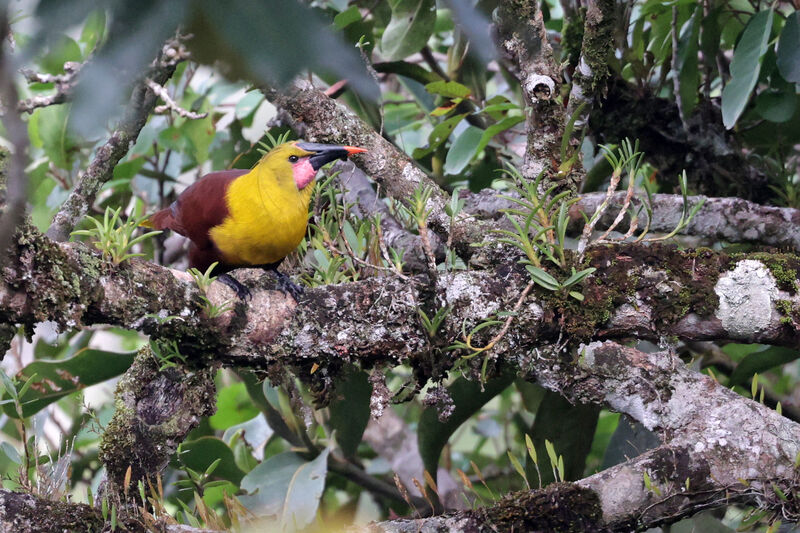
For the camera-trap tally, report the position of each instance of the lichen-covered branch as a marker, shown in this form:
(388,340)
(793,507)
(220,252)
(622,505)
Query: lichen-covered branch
(522,37)
(652,292)
(101,169)
(717,448)
(720,219)
(591,72)
(157,403)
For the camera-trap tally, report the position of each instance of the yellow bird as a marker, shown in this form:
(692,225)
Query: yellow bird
(250,218)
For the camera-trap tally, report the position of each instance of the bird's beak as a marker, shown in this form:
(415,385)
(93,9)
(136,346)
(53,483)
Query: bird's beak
(325,153)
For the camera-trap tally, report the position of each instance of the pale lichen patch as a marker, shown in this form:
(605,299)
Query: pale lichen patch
(746,298)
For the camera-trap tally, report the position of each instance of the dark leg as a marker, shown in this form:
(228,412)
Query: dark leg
(241,291)
(286,285)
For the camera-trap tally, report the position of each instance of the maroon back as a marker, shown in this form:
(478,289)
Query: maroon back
(198,209)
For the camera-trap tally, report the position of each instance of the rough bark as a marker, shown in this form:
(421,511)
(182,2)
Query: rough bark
(522,38)
(32,514)
(717,448)
(157,403)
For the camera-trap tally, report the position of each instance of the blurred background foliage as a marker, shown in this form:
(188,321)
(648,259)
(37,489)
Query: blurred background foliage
(724,105)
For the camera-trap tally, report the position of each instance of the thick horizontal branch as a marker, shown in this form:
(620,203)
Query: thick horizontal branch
(719,219)
(648,291)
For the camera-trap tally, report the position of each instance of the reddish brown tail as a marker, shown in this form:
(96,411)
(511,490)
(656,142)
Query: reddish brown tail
(160,220)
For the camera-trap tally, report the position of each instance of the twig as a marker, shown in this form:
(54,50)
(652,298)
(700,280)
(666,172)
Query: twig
(162,93)
(376,486)
(16,187)
(506,325)
(64,84)
(142,103)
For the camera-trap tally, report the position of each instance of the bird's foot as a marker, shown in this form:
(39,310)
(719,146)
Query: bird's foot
(286,285)
(241,291)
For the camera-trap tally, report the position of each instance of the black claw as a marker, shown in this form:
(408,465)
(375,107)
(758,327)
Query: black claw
(286,285)
(241,291)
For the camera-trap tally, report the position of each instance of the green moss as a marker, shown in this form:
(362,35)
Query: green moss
(572,37)
(155,410)
(563,507)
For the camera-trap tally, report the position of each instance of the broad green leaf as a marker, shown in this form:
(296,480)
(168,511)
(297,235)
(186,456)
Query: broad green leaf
(410,28)
(10,452)
(255,432)
(778,102)
(688,73)
(200,133)
(56,379)
(789,49)
(438,135)
(629,439)
(761,362)
(51,133)
(199,454)
(745,67)
(288,486)
(463,150)
(304,492)
(350,409)
(93,30)
(347,17)
(494,129)
(233,407)
(448,89)
(59,52)
(248,103)
(569,428)
(468,398)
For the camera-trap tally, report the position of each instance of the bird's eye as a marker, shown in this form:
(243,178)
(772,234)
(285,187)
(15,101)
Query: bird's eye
(293,158)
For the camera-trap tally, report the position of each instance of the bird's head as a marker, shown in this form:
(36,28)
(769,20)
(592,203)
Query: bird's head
(305,159)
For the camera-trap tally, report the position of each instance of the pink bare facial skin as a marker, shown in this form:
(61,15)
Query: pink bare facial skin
(303,173)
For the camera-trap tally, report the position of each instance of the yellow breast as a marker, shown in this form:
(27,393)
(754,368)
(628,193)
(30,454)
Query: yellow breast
(267,219)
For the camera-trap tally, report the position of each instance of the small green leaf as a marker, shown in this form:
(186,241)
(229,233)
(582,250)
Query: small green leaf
(543,278)
(438,135)
(448,89)
(211,455)
(577,295)
(518,467)
(577,277)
